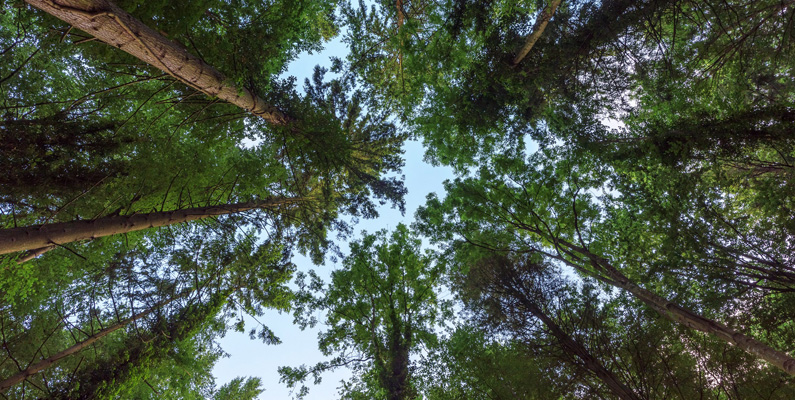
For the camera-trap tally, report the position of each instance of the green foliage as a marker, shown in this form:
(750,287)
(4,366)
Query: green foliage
(237,389)
(470,366)
(665,151)
(381,308)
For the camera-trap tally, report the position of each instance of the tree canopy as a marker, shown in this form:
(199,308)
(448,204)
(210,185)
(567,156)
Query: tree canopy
(620,224)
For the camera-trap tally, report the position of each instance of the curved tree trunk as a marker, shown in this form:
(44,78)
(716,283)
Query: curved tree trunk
(41,236)
(109,23)
(538,29)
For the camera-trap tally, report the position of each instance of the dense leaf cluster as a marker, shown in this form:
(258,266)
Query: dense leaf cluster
(620,225)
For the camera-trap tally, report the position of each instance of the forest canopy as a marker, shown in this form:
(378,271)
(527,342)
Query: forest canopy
(620,224)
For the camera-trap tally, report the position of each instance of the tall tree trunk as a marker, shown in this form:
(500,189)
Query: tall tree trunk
(538,29)
(109,23)
(575,348)
(502,280)
(40,236)
(401,16)
(681,315)
(53,359)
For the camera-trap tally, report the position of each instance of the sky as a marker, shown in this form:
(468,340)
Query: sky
(252,357)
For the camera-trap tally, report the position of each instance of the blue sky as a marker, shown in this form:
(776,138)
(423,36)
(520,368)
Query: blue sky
(253,358)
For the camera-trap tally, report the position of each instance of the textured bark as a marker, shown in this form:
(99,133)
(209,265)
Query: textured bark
(538,29)
(49,361)
(401,17)
(109,23)
(681,315)
(39,236)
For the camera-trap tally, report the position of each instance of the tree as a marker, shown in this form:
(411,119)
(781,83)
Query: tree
(471,364)
(502,351)
(120,372)
(140,351)
(237,389)
(114,26)
(53,359)
(660,193)
(537,209)
(538,30)
(199,146)
(512,289)
(381,308)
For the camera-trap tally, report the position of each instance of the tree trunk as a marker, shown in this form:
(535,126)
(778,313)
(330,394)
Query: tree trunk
(49,361)
(681,315)
(400,14)
(538,29)
(109,23)
(31,254)
(40,236)
(395,378)
(575,348)
(507,281)
(140,352)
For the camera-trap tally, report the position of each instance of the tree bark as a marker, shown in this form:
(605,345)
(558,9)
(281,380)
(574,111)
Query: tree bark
(49,361)
(681,315)
(40,236)
(400,14)
(395,374)
(31,254)
(112,25)
(538,29)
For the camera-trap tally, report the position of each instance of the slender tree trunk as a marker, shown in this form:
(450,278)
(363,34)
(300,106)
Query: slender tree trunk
(109,23)
(679,314)
(140,353)
(49,361)
(575,348)
(40,236)
(400,14)
(538,29)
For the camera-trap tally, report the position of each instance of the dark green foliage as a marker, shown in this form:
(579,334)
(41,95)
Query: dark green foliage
(56,156)
(203,283)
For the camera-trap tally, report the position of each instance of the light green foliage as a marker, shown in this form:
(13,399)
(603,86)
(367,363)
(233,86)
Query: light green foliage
(381,310)
(532,207)
(102,135)
(238,389)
